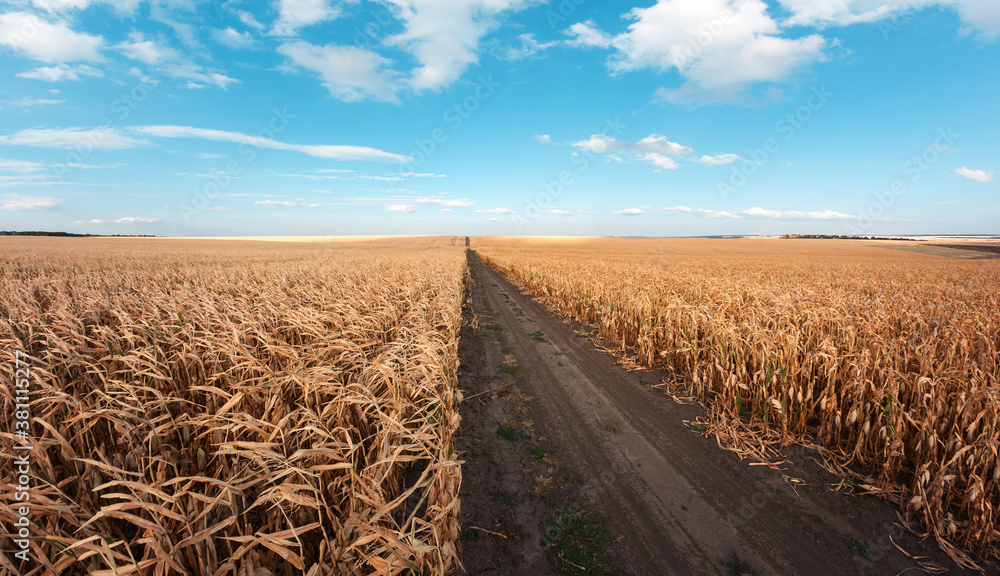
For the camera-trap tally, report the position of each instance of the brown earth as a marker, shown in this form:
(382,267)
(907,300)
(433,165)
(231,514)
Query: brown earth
(604,440)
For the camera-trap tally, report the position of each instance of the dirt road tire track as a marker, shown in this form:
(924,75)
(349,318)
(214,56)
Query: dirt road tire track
(680,504)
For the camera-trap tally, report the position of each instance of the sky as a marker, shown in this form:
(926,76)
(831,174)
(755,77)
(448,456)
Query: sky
(500,117)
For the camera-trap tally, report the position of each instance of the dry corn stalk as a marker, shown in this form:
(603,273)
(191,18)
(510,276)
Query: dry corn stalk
(236,409)
(888,360)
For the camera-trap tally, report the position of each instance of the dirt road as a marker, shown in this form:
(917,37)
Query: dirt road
(679,503)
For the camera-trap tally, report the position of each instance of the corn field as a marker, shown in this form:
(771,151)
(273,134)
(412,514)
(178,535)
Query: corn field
(884,360)
(235,408)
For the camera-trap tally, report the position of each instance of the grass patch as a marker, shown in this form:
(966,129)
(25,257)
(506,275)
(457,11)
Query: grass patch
(505,351)
(511,369)
(736,566)
(493,327)
(538,336)
(610,427)
(538,454)
(857,545)
(584,336)
(576,542)
(511,435)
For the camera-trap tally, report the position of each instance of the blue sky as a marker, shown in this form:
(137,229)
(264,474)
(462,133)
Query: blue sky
(577,117)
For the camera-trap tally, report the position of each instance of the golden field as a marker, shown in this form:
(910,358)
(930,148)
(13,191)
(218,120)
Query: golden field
(885,360)
(236,408)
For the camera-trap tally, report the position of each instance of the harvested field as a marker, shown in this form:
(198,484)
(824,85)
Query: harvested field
(884,361)
(235,408)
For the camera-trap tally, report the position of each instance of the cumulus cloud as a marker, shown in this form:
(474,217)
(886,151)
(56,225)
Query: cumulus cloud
(350,73)
(630,212)
(719,159)
(296,14)
(446,211)
(231,38)
(543,138)
(444,35)
(60,72)
(975,175)
(586,35)
(21,202)
(327,151)
(47,41)
(720,47)
(654,149)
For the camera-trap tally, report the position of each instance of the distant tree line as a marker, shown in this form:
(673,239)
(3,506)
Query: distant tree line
(70,234)
(836,237)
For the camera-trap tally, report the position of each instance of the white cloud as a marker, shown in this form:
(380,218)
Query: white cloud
(136,220)
(757,212)
(586,35)
(631,212)
(331,152)
(249,19)
(703,212)
(420,175)
(298,203)
(20,202)
(444,35)
(197,74)
(529,47)
(543,138)
(555,212)
(350,73)
(446,211)
(231,38)
(978,16)
(110,138)
(20,166)
(654,149)
(30,102)
(295,14)
(496,211)
(660,161)
(120,6)
(146,51)
(401,208)
(659,144)
(210,156)
(447,203)
(719,159)
(152,53)
(720,47)
(47,41)
(976,175)
(60,72)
